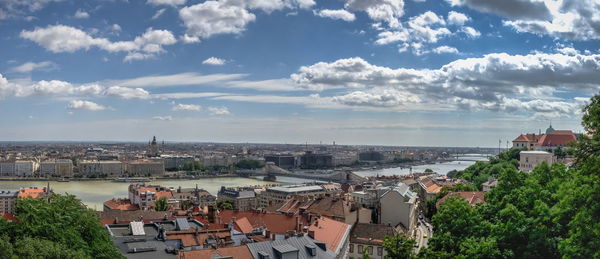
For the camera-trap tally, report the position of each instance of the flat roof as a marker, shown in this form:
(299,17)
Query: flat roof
(535,152)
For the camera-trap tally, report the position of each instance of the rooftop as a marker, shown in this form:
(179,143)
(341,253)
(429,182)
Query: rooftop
(370,234)
(302,244)
(331,232)
(296,188)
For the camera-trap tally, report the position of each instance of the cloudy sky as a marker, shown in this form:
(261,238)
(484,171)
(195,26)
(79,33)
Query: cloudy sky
(391,72)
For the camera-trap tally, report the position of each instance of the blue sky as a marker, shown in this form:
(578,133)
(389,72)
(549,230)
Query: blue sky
(390,72)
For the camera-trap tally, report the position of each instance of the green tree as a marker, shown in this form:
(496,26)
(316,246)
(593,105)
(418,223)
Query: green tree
(57,227)
(161,204)
(399,247)
(225,205)
(249,164)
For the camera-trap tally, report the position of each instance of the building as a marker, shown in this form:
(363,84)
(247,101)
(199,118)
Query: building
(280,194)
(177,162)
(60,168)
(299,247)
(368,238)
(100,168)
(314,160)
(7,168)
(365,198)
(119,204)
(145,196)
(531,159)
(25,168)
(145,167)
(398,207)
(242,199)
(198,197)
(153,148)
(491,183)
(473,198)
(371,156)
(8,200)
(283,161)
(333,233)
(550,140)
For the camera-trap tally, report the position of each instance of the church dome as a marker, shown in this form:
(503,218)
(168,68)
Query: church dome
(549,130)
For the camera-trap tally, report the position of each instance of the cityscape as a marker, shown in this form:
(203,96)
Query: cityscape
(297,129)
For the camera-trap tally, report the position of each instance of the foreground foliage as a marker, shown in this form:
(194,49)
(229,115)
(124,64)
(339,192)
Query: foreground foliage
(552,212)
(57,227)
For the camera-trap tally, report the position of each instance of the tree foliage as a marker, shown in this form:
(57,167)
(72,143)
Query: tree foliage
(57,227)
(551,212)
(399,247)
(161,204)
(249,164)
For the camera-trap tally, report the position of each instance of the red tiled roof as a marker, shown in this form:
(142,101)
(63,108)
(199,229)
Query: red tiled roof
(166,194)
(121,204)
(31,193)
(527,138)
(244,225)
(549,140)
(237,252)
(276,223)
(329,231)
(472,198)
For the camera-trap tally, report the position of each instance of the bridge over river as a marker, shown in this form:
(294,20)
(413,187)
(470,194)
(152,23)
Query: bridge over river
(271,171)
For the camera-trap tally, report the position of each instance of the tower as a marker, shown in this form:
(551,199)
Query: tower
(153,148)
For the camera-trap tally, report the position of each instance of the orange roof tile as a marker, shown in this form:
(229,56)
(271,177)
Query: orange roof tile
(276,223)
(120,204)
(166,194)
(329,231)
(472,198)
(31,193)
(244,225)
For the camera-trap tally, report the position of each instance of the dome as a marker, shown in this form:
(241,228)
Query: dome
(549,130)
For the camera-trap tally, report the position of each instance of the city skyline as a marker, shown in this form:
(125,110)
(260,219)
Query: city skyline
(393,72)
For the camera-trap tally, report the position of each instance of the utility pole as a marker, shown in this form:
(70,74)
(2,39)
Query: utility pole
(499,146)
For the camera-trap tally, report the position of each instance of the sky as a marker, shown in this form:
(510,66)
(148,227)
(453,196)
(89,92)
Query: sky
(381,72)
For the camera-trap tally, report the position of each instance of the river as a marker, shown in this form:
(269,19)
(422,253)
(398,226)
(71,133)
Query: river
(94,193)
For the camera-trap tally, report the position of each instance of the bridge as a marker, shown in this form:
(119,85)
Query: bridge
(271,171)
(472,157)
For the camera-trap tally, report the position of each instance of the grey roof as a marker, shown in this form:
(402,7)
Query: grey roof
(246,194)
(182,224)
(403,189)
(301,244)
(296,188)
(8,194)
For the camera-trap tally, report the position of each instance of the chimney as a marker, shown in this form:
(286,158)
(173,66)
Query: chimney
(268,233)
(311,234)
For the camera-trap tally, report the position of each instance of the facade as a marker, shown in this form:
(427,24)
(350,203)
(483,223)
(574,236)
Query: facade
(177,161)
(313,160)
(280,194)
(530,159)
(242,199)
(145,167)
(25,168)
(145,196)
(198,197)
(7,168)
(283,161)
(398,206)
(550,140)
(368,238)
(8,200)
(62,168)
(96,168)
(371,155)
(366,199)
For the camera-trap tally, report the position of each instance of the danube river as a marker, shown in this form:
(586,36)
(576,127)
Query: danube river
(94,193)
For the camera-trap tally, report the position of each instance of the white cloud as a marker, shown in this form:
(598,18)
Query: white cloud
(80,14)
(187,95)
(158,13)
(85,105)
(219,110)
(445,49)
(283,84)
(177,80)
(492,82)
(568,51)
(571,19)
(61,38)
(166,2)
(116,27)
(215,17)
(388,11)
(163,118)
(126,92)
(187,39)
(336,14)
(186,107)
(456,18)
(213,61)
(28,67)
(472,33)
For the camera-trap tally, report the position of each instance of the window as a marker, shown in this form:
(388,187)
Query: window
(360,249)
(380,251)
(371,250)
(351,248)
